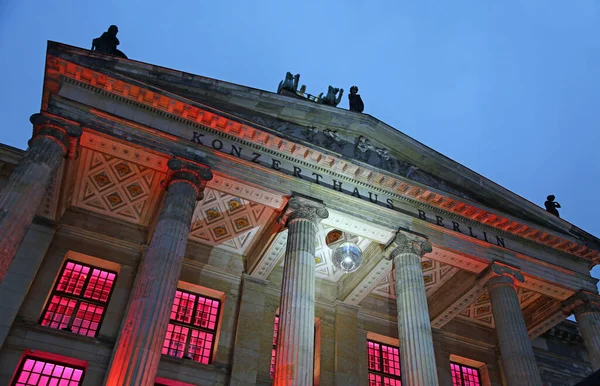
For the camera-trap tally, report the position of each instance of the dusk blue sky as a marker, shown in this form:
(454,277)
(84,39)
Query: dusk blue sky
(508,88)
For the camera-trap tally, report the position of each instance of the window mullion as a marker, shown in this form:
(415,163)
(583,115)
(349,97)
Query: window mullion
(86,282)
(72,318)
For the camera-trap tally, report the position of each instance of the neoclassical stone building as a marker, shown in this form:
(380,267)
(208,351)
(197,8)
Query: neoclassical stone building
(171,229)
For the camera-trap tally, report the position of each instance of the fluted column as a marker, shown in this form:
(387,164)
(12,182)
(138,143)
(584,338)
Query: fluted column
(586,307)
(417,356)
(517,355)
(52,140)
(295,342)
(138,349)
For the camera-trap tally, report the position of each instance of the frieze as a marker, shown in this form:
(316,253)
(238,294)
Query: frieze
(202,119)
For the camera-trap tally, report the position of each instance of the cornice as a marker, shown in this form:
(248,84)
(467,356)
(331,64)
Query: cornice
(378,181)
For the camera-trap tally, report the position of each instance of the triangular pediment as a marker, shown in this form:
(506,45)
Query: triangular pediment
(359,137)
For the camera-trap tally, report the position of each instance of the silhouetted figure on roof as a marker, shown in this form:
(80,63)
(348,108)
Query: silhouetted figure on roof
(356,103)
(108,42)
(551,205)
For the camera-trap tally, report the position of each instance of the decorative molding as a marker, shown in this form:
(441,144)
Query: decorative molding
(480,311)
(366,286)
(123,151)
(457,307)
(358,227)
(187,111)
(227,221)
(272,256)
(247,192)
(117,187)
(463,262)
(434,274)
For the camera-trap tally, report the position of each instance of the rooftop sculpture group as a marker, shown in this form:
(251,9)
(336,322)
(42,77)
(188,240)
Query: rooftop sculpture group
(289,86)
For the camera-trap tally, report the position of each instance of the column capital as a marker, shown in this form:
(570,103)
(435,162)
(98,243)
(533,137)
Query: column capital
(581,302)
(301,208)
(63,132)
(405,242)
(499,273)
(196,175)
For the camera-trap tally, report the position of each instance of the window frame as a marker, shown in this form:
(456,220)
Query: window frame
(48,358)
(192,326)
(462,380)
(79,298)
(381,372)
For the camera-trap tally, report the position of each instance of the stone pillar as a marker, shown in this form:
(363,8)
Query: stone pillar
(586,307)
(138,348)
(518,359)
(52,140)
(21,272)
(250,332)
(347,362)
(414,327)
(295,342)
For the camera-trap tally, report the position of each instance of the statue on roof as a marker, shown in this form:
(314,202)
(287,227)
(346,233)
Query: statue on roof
(551,205)
(108,42)
(356,103)
(290,83)
(332,99)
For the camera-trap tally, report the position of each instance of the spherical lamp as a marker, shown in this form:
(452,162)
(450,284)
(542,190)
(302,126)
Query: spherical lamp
(346,256)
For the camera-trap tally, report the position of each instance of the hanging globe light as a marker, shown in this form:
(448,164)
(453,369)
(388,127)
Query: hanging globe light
(347,256)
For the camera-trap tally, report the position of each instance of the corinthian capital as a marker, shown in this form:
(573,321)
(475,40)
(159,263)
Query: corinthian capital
(186,172)
(581,302)
(300,208)
(407,243)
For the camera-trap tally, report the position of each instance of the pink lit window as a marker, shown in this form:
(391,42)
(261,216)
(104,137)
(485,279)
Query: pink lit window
(464,375)
(384,364)
(35,371)
(79,299)
(193,327)
(274,350)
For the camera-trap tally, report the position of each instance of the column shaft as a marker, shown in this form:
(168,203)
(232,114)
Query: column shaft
(138,349)
(24,193)
(589,327)
(516,351)
(295,346)
(21,273)
(295,342)
(414,327)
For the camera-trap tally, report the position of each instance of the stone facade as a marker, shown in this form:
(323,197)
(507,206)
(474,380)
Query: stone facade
(458,276)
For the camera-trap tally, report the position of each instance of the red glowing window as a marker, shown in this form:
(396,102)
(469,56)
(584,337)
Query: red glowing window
(274,350)
(193,327)
(79,299)
(35,371)
(464,375)
(384,364)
